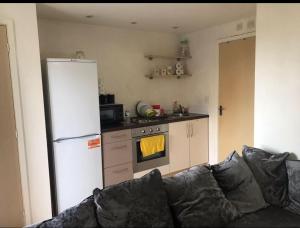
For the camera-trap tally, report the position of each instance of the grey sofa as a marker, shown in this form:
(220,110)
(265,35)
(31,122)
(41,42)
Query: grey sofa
(203,196)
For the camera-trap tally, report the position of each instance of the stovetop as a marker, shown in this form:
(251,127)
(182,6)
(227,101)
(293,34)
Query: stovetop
(147,120)
(137,122)
(141,120)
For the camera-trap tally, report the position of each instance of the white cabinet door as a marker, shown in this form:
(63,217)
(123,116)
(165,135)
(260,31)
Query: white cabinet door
(199,141)
(179,146)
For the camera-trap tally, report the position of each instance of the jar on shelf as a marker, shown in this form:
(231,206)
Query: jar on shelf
(184,50)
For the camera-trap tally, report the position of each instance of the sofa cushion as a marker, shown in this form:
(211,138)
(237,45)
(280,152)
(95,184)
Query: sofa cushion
(135,203)
(293,171)
(270,173)
(196,199)
(82,215)
(269,217)
(238,183)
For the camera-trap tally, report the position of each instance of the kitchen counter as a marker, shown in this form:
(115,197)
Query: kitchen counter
(169,119)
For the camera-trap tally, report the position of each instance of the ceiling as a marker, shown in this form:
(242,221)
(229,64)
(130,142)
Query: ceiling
(160,17)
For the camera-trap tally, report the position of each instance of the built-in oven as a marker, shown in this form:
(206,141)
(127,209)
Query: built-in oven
(160,158)
(111,114)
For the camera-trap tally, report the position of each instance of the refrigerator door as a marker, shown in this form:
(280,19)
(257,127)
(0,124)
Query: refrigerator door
(78,170)
(73,97)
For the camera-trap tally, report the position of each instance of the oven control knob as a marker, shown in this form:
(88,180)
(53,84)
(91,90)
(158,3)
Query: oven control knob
(158,129)
(150,130)
(143,131)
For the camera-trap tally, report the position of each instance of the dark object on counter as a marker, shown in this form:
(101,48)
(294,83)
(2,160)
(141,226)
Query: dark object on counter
(111,114)
(106,99)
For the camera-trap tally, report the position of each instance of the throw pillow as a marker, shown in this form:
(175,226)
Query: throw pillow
(82,215)
(135,203)
(196,199)
(293,172)
(238,183)
(270,173)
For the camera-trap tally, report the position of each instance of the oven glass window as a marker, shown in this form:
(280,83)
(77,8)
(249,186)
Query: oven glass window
(141,158)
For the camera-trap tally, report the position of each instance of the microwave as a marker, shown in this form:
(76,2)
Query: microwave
(111,114)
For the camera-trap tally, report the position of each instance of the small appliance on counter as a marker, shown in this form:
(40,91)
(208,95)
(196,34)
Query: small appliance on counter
(111,114)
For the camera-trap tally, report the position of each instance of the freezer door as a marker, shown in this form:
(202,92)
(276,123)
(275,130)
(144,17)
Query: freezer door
(73,97)
(78,170)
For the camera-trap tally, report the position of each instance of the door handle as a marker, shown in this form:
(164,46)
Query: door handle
(187,130)
(221,109)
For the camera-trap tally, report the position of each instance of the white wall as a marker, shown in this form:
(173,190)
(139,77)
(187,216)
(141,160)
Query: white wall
(277,82)
(203,88)
(120,56)
(29,72)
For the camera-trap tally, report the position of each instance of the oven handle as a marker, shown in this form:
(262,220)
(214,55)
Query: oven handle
(145,136)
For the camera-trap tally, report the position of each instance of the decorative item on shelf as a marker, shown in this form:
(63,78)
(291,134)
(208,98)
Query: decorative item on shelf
(184,50)
(163,71)
(170,70)
(179,69)
(156,72)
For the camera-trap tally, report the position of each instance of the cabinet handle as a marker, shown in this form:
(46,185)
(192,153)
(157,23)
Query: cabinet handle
(187,130)
(120,170)
(192,129)
(119,147)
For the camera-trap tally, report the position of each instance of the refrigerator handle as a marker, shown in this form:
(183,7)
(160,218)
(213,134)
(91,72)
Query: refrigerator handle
(59,140)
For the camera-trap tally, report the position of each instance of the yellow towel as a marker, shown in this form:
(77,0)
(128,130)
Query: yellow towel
(152,145)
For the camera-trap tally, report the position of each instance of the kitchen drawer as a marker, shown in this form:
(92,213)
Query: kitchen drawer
(117,153)
(116,136)
(117,174)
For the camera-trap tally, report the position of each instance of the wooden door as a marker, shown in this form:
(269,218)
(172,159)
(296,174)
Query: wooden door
(236,95)
(11,207)
(199,141)
(179,146)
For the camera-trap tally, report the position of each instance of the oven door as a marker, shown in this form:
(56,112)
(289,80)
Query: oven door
(141,163)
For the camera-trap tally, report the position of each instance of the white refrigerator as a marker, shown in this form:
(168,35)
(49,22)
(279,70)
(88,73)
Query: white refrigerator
(73,129)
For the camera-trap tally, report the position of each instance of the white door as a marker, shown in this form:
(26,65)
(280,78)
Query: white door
(199,141)
(78,170)
(74,98)
(179,146)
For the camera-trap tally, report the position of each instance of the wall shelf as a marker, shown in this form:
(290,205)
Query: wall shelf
(178,58)
(168,76)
